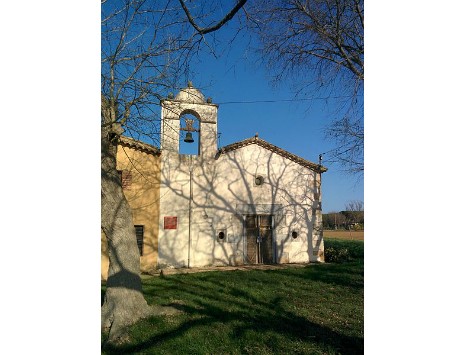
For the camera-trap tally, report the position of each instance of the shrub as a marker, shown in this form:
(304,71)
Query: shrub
(336,255)
(358,227)
(338,251)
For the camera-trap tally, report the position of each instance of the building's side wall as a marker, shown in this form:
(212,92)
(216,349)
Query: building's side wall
(144,199)
(223,190)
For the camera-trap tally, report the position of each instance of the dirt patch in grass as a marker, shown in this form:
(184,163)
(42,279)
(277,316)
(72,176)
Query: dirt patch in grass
(344,234)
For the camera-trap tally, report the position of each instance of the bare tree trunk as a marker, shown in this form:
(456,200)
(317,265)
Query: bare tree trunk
(142,53)
(124,302)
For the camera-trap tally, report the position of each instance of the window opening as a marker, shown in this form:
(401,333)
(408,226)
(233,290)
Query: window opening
(259,180)
(221,235)
(126,178)
(139,231)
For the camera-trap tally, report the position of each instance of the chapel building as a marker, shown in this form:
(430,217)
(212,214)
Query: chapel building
(249,202)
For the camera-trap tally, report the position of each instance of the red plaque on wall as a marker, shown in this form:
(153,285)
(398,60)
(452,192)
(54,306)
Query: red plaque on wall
(170,222)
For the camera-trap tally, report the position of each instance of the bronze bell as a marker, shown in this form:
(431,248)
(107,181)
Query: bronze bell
(188,138)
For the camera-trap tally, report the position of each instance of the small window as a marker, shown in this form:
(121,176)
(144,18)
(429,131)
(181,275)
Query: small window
(126,178)
(221,235)
(294,235)
(258,180)
(139,231)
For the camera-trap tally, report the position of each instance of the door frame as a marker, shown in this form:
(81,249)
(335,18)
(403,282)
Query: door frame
(258,249)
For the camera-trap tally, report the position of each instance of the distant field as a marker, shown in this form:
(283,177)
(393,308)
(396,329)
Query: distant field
(344,234)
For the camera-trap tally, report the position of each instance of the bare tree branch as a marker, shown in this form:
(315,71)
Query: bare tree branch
(146,51)
(319,45)
(205,30)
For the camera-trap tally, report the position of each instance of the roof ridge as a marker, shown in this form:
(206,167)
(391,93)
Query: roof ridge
(282,152)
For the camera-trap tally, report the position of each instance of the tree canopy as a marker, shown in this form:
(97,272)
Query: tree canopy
(318,46)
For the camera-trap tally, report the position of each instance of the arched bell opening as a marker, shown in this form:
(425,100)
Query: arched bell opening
(189,133)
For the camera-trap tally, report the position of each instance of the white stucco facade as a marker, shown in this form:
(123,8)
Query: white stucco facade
(215,205)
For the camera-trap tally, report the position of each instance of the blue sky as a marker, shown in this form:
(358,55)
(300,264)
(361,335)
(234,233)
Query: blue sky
(227,69)
(296,126)
(51,130)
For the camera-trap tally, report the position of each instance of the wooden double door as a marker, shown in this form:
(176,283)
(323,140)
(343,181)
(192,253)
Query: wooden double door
(259,239)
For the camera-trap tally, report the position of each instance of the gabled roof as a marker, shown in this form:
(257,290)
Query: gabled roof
(132,143)
(284,153)
(147,148)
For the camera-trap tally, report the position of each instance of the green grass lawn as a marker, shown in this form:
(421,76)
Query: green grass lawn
(317,309)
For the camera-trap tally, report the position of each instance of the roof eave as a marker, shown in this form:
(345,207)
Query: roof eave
(144,147)
(263,143)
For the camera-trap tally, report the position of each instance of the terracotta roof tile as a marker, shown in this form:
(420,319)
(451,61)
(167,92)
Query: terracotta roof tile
(132,143)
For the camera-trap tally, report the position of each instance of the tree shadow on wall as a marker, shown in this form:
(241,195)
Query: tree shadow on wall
(225,190)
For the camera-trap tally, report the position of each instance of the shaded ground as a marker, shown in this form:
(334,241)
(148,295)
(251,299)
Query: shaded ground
(266,309)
